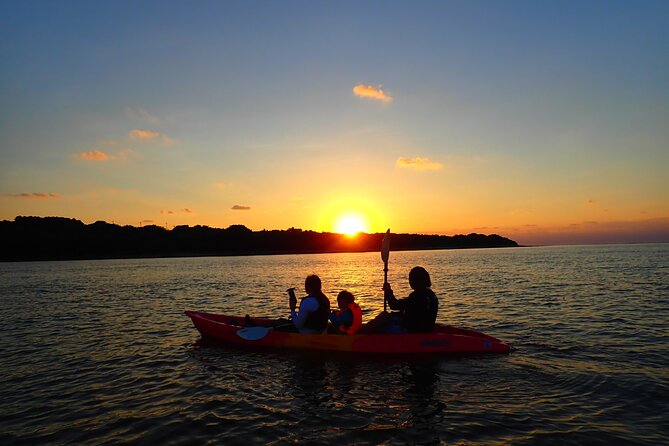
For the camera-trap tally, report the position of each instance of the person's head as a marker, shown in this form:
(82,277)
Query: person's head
(344,299)
(419,278)
(312,284)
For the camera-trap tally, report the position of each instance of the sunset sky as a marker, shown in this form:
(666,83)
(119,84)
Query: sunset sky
(542,121)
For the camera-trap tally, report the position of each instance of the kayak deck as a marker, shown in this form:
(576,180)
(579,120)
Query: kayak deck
(443,339)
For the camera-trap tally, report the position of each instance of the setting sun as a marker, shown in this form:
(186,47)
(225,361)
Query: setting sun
(350,224)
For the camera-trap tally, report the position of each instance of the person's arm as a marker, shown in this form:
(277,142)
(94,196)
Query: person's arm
(308,305)
(393,302)
(345,318)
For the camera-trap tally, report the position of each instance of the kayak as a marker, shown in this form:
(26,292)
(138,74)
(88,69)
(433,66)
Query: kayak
(247,332)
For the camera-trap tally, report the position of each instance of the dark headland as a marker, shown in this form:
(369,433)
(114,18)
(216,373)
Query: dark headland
(59,238)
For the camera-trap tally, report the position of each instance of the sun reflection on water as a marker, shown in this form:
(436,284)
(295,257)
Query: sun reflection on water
(109,341)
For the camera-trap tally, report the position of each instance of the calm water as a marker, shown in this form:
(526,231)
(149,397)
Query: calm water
(99,352)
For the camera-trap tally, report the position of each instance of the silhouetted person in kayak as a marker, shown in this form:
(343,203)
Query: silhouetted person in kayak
(418,312)
(348,319)
(312,317)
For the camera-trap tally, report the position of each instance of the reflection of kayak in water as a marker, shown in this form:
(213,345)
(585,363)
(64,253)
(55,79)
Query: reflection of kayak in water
(443,339)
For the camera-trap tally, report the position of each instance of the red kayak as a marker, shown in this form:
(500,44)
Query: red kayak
(443,339)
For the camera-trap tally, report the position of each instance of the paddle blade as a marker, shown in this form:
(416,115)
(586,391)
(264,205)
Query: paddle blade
(253,333)
(385,247)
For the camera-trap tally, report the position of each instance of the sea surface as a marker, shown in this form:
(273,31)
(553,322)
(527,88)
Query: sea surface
(100,352)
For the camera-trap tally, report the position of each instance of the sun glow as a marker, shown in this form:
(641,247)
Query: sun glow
(349,213)
(351,224)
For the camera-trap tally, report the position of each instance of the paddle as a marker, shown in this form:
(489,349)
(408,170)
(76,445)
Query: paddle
(253,333)
(385,254)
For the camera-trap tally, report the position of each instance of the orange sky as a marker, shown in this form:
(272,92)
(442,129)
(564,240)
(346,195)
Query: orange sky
(432,118)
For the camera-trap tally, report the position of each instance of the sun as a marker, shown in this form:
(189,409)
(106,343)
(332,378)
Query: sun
(350,224)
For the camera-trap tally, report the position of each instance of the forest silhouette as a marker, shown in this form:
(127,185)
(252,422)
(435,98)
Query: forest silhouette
(60,238)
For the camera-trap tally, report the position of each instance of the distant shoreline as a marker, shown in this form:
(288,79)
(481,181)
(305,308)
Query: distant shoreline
(59,238)
(3,258)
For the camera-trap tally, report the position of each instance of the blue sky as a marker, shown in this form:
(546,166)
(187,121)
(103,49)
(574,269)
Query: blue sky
(543,121)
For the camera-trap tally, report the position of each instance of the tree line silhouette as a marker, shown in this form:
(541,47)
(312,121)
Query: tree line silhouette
(59,238)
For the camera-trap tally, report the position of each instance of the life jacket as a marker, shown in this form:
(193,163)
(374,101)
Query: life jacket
(420,311)
(357,319)
(318,320)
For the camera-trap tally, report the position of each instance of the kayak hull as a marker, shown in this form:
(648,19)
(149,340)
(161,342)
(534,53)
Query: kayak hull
(443,339)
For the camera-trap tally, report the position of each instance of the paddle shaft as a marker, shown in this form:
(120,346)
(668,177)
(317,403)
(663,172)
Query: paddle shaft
(385,255)
(385,280)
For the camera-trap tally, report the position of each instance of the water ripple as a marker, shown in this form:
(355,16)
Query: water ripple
(100,352)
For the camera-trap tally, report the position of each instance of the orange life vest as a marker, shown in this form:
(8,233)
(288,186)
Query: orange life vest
(357,319)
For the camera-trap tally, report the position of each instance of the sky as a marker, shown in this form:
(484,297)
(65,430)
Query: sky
(543,121)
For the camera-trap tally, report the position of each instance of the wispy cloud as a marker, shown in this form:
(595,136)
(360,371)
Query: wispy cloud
(178,211)
(98,155)
(142,115)
(371,92)
(35,196)
(238,207)
(125,154)
(143,135)
(417,163)
(93,155)
(149,136)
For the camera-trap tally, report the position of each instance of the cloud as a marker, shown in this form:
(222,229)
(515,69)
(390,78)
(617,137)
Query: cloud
(93,155)
(98,155)
(149,136)
(238,207)
(36,196)
(179,211)
(125,154)
(141,114)
(417,163)
(371,92)
(143,135)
